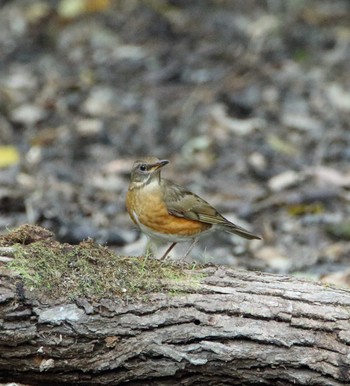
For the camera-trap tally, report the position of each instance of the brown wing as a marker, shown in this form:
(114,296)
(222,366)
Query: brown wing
(183,203)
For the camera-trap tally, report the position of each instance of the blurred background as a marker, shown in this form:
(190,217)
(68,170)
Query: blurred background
(249,100)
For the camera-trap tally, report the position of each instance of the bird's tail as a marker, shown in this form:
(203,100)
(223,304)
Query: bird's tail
(232,228)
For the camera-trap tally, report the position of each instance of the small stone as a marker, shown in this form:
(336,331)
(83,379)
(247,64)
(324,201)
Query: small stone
(89,127)
(339,97)
(21,80)
(101,102)
(301,123)
(28,114)
(257,161)
(330,177)
(284,180)
(241,127)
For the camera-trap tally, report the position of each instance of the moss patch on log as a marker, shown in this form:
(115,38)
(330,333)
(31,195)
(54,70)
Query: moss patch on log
(89,269)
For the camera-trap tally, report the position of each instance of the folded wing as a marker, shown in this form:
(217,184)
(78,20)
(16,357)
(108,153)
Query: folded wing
(182,203)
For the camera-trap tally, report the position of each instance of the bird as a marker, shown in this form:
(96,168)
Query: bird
(167,211)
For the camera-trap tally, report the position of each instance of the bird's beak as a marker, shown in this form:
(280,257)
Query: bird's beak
(159,164)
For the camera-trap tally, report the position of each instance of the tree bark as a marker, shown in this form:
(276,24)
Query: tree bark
(239,328)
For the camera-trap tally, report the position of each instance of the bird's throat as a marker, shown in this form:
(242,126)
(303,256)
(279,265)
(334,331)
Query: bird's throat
(153,182)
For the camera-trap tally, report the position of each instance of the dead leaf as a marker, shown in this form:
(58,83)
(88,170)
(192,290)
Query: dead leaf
(71,9)
(340,279)
(8,156)
(111,341)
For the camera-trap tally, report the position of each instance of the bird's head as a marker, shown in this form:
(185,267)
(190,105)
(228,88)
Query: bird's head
(145,171)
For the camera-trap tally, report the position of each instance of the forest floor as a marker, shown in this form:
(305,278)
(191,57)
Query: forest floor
(249,100)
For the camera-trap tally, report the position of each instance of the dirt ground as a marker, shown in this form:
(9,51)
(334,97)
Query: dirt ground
(249,100)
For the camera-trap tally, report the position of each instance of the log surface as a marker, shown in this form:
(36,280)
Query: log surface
(237,328)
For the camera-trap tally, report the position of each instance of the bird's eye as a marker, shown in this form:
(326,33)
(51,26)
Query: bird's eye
(143,168)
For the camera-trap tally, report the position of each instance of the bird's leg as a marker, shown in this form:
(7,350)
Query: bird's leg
(168,250)
(189,249)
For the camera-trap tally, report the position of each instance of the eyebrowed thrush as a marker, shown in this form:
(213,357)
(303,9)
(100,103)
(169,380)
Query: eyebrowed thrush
(167,211)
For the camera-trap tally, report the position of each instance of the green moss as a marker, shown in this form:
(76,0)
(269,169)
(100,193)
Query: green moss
(95,271)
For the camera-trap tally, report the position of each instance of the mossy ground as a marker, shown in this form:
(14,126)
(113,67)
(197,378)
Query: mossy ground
(89,269)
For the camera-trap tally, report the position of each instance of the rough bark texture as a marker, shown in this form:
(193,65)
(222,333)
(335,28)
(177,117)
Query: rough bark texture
(239,328)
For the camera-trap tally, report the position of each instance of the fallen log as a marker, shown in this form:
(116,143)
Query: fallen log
(198,326)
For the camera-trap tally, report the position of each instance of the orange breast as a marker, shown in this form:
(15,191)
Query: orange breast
(148,208)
